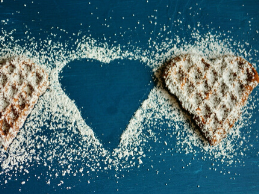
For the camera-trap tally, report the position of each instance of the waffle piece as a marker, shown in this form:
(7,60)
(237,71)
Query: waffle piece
(21,84)
(212,90)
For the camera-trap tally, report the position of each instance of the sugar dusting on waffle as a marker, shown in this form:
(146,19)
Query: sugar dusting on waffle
(21,83)
(212,90)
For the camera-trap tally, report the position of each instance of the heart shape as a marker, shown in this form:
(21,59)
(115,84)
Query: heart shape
(107,95)
(212,90)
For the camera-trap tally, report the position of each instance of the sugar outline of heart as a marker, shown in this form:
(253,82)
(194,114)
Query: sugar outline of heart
(86,131)
(103,56)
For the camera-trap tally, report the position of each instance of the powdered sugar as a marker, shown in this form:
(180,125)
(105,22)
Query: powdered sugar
(214,117)
(55,132)
(23,83)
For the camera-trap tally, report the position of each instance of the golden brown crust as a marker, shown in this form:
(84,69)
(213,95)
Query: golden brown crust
(214,119)
(22,83)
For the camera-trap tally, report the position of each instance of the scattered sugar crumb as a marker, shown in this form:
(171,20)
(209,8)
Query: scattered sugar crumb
(55,132)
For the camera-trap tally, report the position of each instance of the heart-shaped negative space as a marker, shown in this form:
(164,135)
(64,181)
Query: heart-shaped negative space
(107,95)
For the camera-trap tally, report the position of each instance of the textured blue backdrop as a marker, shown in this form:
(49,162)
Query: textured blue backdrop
(132,23)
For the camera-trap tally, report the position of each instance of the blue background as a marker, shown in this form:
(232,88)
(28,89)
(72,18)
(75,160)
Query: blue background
(134,23)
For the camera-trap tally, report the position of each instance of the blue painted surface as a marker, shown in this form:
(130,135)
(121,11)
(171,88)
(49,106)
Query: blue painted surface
(159,173)
(114,92)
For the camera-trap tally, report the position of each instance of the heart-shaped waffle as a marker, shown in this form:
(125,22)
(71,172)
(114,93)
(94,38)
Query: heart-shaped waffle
(212,90)
(21,84)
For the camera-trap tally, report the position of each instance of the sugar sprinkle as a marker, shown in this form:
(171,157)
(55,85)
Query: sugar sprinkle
(55,133)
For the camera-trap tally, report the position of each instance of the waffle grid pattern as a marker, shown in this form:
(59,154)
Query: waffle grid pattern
(21,84)
(213,91)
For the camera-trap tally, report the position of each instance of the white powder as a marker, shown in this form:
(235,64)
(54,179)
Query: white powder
(213,112)
(55,133)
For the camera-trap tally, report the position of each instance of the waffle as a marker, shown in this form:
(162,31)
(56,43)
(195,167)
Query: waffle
(21,84)
(212,90)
